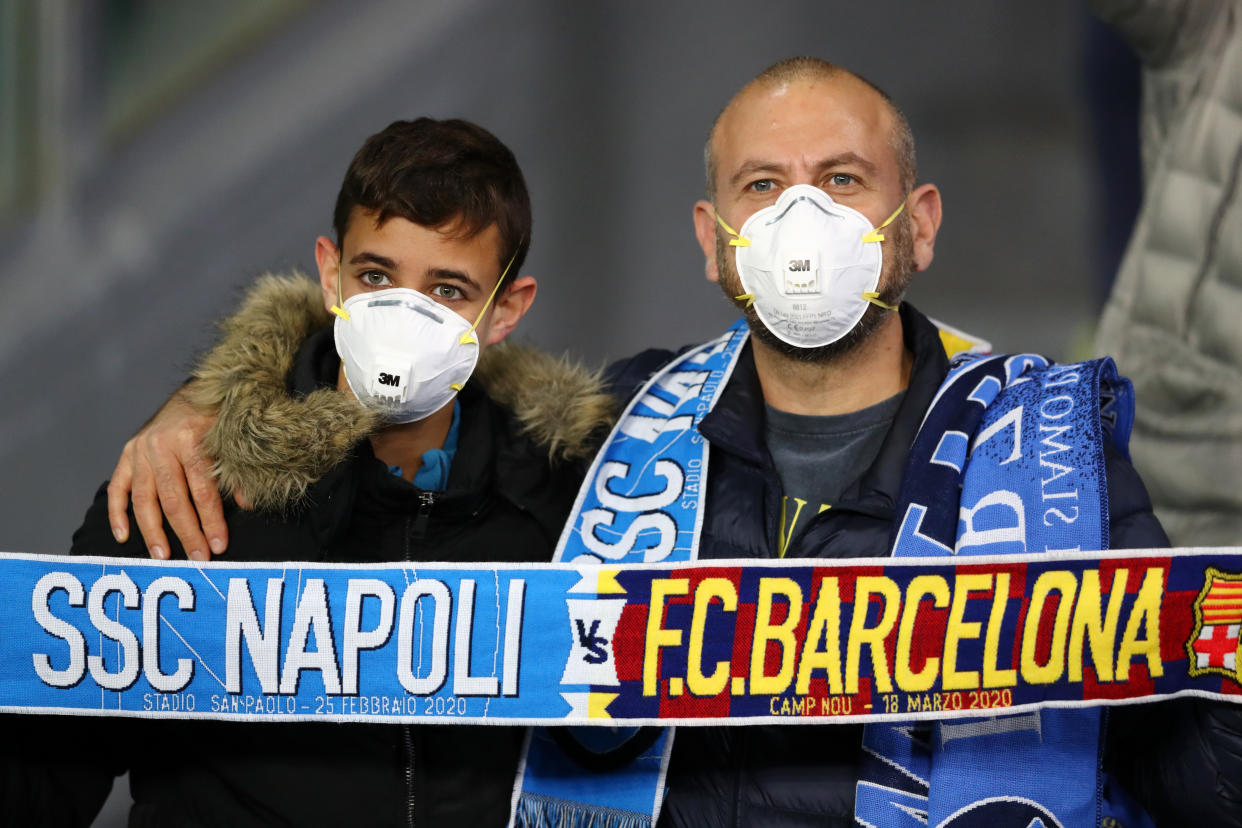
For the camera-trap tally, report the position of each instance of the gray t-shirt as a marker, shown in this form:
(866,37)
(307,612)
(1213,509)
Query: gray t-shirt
(817,458)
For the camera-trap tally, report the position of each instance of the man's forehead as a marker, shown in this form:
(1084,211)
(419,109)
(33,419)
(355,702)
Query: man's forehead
(809,119)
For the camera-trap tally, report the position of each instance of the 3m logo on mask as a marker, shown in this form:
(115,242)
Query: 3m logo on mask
(800,277)
(389,379)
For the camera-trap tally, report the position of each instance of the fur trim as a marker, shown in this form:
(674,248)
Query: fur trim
(272,446)
(560,404)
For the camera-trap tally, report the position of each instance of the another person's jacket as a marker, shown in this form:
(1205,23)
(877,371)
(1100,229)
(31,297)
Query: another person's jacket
(506,500)
(763,777)
(1172,320)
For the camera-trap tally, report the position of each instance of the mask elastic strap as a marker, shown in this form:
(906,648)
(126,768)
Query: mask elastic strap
(873,296)
(738,241)
(875,235)
(339,307)
(468,337)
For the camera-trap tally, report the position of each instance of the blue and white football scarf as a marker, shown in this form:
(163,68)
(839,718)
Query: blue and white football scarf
(1009,461)
(642,502)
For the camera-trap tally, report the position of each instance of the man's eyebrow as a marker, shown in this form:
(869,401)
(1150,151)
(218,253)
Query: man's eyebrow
(449,275)
(755,166)
(367,257)
(847,158)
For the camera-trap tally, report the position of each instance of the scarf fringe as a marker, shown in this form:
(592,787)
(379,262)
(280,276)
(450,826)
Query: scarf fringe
(540,811)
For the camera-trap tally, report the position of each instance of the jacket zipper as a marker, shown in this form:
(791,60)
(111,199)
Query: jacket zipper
(415,529)
(425,501)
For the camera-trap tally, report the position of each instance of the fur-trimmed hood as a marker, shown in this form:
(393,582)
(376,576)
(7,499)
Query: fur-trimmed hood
(272,445)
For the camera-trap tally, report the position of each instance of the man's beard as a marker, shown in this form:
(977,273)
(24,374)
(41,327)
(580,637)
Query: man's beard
(895,277)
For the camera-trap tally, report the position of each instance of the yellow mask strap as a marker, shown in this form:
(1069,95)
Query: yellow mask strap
(874,298)
(468,337)
(339,307)
(875,235)
(739,240)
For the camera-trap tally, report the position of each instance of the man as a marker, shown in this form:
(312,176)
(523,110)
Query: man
(432,224)
(811,435)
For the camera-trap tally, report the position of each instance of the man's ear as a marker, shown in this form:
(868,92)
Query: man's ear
(924,207)
(328,259)
(511,305)
(705,230)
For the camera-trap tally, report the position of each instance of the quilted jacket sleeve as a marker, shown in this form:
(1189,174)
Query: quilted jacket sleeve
(1160,31)
(1181,759)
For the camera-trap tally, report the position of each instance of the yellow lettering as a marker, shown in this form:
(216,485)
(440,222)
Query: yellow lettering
(1065,585)
(920,587)
(958,629)
(860,634)
(783,634)
(993,676)
(1146,609)
(721,589)
(825,626)
(1098,629)
(657,636)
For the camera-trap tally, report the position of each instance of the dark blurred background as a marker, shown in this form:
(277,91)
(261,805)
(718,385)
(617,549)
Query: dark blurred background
(156,156)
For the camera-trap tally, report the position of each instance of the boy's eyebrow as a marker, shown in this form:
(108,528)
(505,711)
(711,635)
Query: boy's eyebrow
(367,257)
(447,274)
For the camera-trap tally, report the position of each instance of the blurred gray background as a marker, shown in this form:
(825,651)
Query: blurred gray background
(156,156)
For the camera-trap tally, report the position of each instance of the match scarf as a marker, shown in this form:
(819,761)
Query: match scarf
(1009,461)
(642,501)
(784,642)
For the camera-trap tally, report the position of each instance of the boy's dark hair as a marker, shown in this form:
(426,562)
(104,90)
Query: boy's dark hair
(441,174)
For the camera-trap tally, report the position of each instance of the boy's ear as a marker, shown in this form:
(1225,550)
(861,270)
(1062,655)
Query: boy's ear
(328,260)
(511,305)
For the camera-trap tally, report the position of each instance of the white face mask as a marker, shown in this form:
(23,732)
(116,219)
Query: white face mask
(404,353)
(810,266)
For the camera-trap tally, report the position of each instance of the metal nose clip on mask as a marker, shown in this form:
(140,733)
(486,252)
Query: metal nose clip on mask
(405,354)
(809,266)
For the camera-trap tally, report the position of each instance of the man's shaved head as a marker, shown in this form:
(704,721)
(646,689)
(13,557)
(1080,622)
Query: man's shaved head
(809,69)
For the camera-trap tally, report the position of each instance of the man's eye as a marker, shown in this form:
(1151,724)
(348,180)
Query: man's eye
(764,186)
(375,279)
(446,291)
(841,179)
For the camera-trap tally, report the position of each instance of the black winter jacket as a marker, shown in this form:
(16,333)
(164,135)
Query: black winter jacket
(505,501)
(805,776)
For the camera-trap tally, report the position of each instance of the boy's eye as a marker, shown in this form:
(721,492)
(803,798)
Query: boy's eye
(375,279)
(446,291)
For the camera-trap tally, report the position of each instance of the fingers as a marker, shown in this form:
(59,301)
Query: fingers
(166,458)
(118,494)
(146,503)
(239,497)
(165,476)
(207,502)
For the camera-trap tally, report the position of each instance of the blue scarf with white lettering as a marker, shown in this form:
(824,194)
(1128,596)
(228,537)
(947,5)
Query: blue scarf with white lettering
(642,502)
(1009,461)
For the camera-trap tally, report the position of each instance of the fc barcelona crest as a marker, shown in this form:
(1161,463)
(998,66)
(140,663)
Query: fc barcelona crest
(1213,648)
